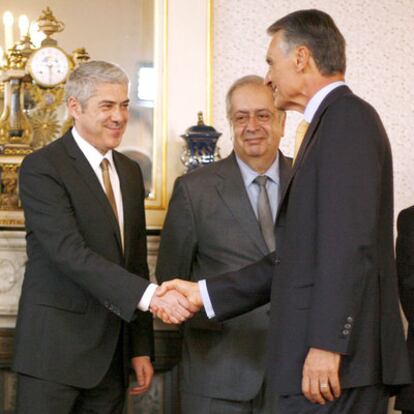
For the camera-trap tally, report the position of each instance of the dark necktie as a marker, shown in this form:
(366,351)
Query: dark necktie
(108,186)
(264,213)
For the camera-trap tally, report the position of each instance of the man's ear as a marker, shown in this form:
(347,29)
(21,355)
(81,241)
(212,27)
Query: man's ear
(302,57)
(74,107)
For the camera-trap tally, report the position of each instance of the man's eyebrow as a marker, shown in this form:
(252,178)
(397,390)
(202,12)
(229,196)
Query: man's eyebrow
(108,101)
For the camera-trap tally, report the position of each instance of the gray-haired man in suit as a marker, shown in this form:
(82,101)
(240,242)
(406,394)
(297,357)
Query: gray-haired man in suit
(222,368)
(81,322)
(336,341)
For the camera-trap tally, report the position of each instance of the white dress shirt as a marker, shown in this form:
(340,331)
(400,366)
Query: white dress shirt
(253,190)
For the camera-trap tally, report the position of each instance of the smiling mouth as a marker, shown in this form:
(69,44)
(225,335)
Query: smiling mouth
(114,127)
(253,140)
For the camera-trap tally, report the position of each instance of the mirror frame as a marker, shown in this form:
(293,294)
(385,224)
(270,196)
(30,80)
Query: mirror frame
(167,142)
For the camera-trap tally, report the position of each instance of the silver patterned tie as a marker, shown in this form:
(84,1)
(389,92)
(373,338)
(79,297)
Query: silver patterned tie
(264,213)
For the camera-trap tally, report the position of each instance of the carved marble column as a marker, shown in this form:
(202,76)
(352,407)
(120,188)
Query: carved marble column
(12,262)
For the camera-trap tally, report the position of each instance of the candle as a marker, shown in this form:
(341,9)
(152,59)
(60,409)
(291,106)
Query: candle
(23,25)
(1,56)
(8,29)
(36,36)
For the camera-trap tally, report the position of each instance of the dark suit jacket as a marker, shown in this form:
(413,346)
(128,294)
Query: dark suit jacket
(80,291)
(405,270)
(332,283)
(211,228)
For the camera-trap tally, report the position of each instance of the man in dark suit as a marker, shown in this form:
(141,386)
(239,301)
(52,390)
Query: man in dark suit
(86,275)
(405,271)
(336,339)
(196,243)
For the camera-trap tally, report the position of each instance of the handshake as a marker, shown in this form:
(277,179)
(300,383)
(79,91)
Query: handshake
(176,301)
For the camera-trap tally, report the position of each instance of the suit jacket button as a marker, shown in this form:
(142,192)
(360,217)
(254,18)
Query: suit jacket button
(349,319)
(277,261)
(345,332)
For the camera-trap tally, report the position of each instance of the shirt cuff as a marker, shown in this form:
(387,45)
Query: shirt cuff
(208,307)
(145,301)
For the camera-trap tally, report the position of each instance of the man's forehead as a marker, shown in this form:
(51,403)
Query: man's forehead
(276,41)
(253,89)
(110,91)
(258,103)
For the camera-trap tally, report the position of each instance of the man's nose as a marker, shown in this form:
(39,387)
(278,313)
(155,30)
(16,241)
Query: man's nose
(117,114)
(252,123)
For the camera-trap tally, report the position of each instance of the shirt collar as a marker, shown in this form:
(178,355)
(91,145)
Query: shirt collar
(248,174)
(93,156)
(316,100)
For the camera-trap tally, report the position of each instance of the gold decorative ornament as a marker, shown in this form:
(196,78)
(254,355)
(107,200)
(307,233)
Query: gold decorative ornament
(9,199)
(31,103)
(46,128)
(80,56)
(48,24)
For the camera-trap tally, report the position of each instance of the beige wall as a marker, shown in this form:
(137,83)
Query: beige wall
(380,64)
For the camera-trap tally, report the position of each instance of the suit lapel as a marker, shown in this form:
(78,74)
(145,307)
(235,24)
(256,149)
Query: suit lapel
(231,188)
(87,174)
(285,169)
(126,186)
(310,133)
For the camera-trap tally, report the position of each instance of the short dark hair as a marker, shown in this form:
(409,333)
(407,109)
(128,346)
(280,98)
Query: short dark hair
(317,31)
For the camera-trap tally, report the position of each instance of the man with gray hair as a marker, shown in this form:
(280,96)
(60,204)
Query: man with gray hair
(336,341)
(220,218)
(86,283)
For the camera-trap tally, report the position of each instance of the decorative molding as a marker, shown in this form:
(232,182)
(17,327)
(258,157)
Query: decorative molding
(12,263)
(8,275)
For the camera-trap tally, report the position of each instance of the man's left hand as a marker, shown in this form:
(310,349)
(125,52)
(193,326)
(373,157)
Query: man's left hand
(144,373)
(320,376)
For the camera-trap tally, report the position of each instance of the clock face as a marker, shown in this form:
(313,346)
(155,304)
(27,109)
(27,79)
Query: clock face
(49,66)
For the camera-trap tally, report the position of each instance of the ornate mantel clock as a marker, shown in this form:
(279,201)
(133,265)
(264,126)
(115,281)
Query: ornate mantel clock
(32,89)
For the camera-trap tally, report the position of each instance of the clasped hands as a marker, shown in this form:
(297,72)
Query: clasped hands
(176,301)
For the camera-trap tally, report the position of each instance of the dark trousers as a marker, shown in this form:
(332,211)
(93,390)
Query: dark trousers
(362,400)
(263,403)
(37,396)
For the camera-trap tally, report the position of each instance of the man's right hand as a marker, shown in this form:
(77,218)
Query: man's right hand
(171,306)
(189,289)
